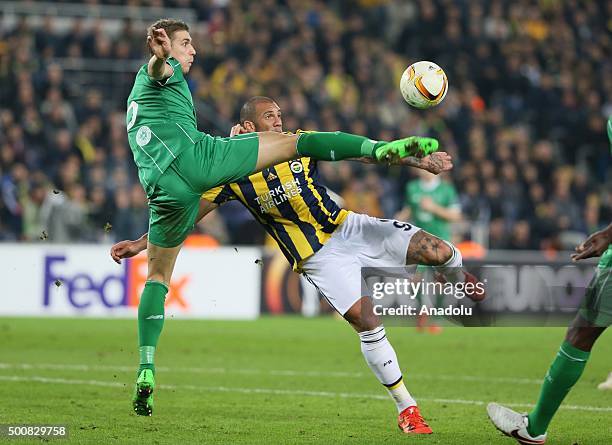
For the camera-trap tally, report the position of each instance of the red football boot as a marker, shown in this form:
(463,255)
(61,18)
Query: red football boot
(411,422)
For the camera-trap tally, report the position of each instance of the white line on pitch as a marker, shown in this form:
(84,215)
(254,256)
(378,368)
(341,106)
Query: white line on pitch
(290,392)
(274,372)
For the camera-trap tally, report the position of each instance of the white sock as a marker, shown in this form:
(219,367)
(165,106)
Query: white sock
(382,360)
(452,269)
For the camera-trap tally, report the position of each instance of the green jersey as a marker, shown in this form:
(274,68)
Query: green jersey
(161,122)
(442,193)
(606,259)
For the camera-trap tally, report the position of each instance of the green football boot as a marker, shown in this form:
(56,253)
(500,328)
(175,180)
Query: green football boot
(417,146)
(143,394)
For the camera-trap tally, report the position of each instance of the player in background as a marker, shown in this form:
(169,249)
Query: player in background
(432,204)
(607,384)
(329,244)
(177,163)
(594,316)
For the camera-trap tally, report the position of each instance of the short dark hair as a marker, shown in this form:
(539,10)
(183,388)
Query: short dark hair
(248,112)
(169,25)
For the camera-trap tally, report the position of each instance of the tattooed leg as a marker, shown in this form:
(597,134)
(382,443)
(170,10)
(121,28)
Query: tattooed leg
(446,261)
(429,250)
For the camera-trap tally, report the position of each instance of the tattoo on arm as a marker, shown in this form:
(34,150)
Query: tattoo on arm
(413,161)
(435,164)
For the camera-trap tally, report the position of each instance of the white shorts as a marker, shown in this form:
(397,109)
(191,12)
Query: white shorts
(360,241)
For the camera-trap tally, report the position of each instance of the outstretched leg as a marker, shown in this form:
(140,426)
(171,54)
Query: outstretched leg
(276,147)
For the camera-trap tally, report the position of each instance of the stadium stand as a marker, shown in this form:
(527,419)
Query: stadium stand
(524,117)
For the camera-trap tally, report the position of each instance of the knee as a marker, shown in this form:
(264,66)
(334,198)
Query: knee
(366,323)
(582,337)
(448,251)
(362,317)
(158,277)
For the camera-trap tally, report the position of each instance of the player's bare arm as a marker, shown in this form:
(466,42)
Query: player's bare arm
(160,46)
(435,163)
(594,245)
(129,248)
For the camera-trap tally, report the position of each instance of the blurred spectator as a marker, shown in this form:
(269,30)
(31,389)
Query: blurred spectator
(473,204)
(65,216)
(521,237)
(32,203)
(131,217)
(14,183)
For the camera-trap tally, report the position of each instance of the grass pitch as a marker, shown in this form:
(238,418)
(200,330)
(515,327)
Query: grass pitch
(284,381)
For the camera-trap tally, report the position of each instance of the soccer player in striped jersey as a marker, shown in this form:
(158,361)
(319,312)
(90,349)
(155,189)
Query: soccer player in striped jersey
(177,163)
(329,245)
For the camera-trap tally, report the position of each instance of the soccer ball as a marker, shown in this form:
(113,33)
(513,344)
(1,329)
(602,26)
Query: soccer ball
(424,84)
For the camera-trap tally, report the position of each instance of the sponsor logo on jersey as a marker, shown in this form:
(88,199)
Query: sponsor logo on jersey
(143,135)
(270,176)
(277,195)
(296,167)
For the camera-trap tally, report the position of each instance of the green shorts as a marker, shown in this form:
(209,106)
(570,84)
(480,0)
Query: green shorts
(174,203)
(597,305)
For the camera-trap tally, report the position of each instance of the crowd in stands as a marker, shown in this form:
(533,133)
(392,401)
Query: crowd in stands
(524,118)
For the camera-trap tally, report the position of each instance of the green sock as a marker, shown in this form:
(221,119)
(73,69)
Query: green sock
(150,322)
(564,372)
(335,146)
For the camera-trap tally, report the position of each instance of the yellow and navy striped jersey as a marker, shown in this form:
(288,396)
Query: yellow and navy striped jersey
(291,205)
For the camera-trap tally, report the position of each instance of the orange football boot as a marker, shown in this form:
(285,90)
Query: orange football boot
(411,422)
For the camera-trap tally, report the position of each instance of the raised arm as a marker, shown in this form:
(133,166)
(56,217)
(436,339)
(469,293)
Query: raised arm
(159,43)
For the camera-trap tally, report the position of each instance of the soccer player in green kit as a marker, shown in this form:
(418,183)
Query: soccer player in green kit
(431,204)
(594,316)
(177,163)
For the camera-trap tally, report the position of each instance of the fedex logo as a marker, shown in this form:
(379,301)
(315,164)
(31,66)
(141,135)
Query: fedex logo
(82,289)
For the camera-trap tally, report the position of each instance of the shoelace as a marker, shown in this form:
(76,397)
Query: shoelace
(414,420)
